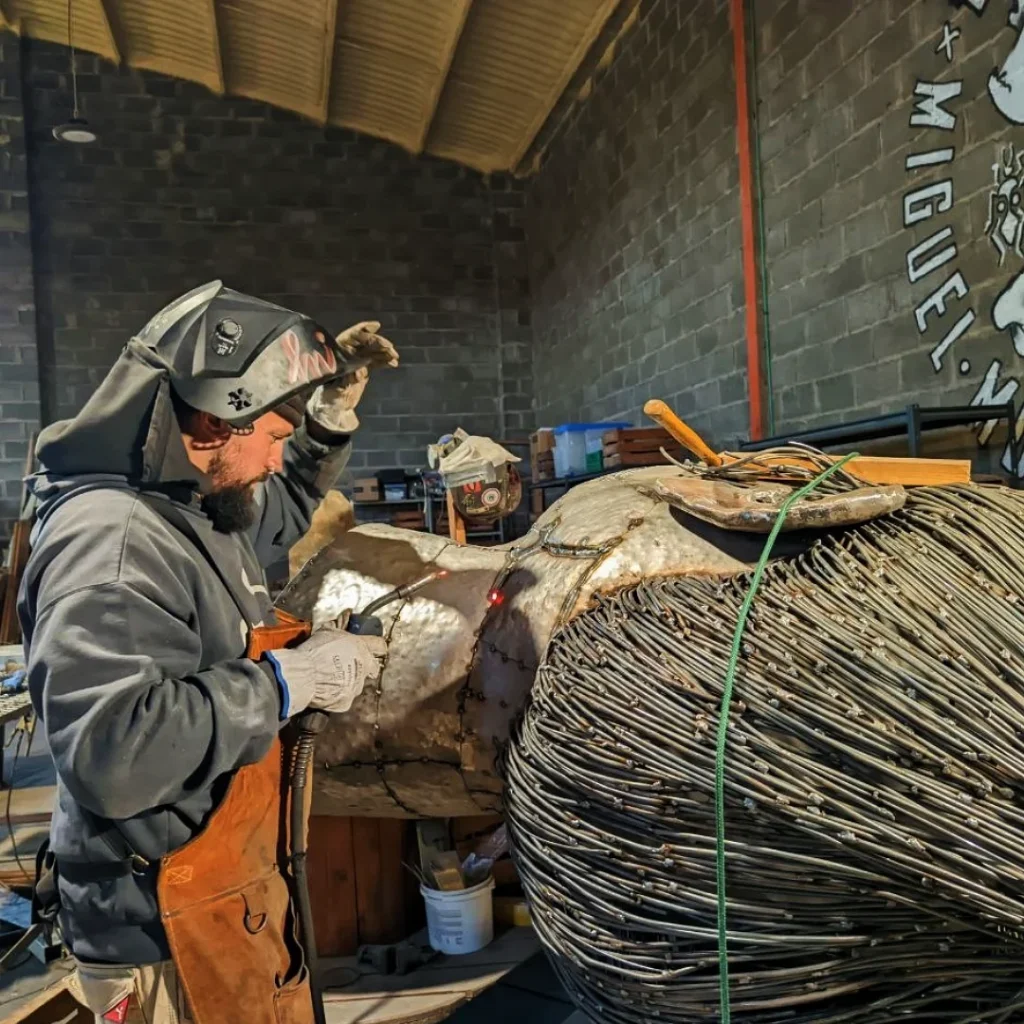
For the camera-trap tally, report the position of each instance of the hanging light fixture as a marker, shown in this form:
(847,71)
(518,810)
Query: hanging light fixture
(76,129)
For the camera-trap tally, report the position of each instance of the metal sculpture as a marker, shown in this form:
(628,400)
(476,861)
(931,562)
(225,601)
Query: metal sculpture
(464,652)
(874,824)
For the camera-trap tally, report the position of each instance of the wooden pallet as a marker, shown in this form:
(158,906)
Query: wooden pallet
(639,447)
(409,520)
(542,455)
(360,891)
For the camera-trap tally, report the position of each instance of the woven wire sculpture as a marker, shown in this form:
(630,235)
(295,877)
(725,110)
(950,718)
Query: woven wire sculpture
(874,781)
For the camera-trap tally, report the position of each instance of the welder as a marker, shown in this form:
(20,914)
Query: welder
(198,461)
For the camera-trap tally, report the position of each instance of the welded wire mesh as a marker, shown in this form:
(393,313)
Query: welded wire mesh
(874,782)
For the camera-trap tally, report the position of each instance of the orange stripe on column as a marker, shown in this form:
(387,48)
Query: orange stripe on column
(755,370)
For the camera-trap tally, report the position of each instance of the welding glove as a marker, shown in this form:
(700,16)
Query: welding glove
(328,671)
(333,405)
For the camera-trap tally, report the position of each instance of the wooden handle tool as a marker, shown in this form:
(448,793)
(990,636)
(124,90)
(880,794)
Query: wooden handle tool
(686,436)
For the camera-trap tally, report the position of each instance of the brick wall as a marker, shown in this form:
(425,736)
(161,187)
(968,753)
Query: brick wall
(632,221)
(843,93)
(634,235)
(19,393)
(184,186)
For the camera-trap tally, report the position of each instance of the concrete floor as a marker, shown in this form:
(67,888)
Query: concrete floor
(531,992)
(492,987)
(509,981)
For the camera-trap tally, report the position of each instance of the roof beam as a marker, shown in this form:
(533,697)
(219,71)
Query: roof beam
(605,10)
(110,23)
(330,45)
(218,54)
(459,17)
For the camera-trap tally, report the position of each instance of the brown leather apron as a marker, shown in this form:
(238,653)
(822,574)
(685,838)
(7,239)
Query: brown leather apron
(226,906)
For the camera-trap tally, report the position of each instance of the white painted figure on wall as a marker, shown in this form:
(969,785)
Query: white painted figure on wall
(1006,84)
(1008,312)
(1005,224)
(939,103)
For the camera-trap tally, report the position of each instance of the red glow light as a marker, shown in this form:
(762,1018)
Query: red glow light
(495,597)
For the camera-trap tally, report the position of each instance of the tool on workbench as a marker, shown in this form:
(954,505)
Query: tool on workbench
(773,463)
(685,435)
(395,958)
(310,724)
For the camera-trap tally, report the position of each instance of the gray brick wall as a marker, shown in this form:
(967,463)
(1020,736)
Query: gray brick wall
(19,393)
(634,235)
(184,187)
(633,231)
(837,126)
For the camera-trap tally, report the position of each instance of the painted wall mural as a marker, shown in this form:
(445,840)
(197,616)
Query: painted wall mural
(958,318)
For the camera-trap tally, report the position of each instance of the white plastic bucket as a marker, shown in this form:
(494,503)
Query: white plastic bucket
(461,921)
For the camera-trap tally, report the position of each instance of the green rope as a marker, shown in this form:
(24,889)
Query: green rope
(723,729)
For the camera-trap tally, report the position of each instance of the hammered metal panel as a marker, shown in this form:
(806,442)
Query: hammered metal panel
(459,668)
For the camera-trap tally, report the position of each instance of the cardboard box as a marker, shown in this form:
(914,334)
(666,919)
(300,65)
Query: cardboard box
(542,454)
(366,489)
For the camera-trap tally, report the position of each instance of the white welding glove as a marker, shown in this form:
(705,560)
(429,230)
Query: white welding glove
(333,405)
(328,671)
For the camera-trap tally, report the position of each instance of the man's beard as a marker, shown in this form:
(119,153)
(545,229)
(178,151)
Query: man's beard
(231,506)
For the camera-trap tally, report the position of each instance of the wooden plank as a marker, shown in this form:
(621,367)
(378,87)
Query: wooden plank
(635,434)
(392,901)
(410,1008)
(366,851)
(455,21)
(456,524)
(332,885)
(10,628)
(879,470)
(474,825)
(415,910)
(652,445)
(407,999)
(624,459)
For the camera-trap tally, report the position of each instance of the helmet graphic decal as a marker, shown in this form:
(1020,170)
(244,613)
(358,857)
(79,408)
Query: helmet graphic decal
(240,399)
(302,367)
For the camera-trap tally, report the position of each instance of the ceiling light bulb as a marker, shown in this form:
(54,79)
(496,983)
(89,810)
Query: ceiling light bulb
(76,130)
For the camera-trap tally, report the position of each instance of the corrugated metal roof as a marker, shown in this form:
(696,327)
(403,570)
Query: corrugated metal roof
(470,80)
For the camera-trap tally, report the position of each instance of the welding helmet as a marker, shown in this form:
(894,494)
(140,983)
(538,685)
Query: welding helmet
(479,474)
(237,357)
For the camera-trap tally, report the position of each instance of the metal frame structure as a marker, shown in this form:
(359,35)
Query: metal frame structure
(912,421)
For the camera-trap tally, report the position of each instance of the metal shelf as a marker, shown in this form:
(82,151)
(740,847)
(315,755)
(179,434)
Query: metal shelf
(911,421)
(569,481)
(395,501)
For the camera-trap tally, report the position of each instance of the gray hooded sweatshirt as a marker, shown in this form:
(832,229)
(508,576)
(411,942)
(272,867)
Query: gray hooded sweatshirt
(135,644)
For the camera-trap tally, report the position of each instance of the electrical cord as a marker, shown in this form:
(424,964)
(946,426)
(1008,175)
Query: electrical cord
(20,733)
(22,933)
(74,69)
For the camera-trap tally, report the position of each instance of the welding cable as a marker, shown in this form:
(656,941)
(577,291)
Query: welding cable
(20,732)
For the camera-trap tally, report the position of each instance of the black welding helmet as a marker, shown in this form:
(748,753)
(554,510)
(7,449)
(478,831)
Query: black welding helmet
(236,356)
